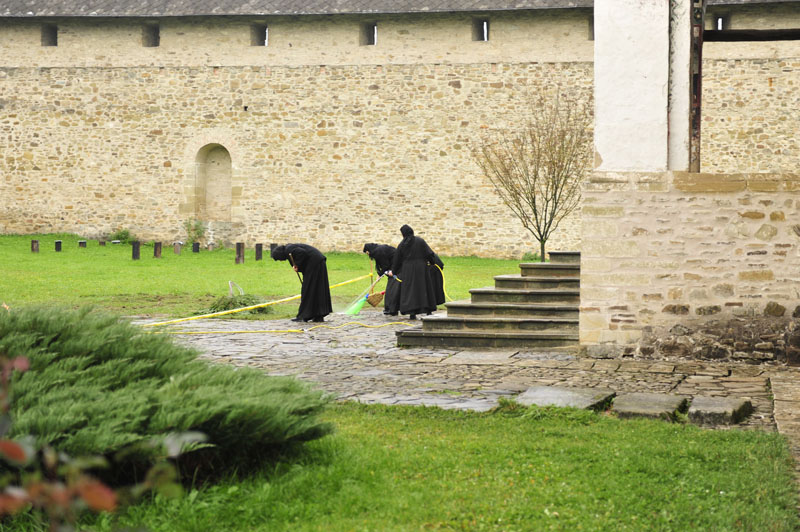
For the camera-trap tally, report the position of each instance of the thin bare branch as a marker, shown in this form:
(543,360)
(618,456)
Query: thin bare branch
(538,168)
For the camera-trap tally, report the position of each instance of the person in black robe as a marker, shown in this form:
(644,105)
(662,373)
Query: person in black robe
(315,295)
(383,255)
(410,265)
(437,278)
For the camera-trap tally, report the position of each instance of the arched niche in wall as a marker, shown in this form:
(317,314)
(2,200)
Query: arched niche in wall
(213,184)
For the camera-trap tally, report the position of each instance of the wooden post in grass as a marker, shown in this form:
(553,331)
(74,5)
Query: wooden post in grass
(102,243)
(136,245)
(272,247)
(195,247)
(58,245)
(176,248)
(240,253)
(156,250)
(259,251)
(34,246)
(81,243)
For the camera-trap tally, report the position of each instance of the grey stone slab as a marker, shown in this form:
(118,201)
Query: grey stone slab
(719,410)
(481,357)
(565,397)
(653,405)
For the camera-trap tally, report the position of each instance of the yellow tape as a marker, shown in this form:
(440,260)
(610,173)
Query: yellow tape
(444,284)
(225,312)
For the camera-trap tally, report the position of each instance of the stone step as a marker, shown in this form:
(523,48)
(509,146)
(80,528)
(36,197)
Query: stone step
(469,308)
(482,339)
(472,323)
(497,295)
(518,282)
(544,269)
(565,257)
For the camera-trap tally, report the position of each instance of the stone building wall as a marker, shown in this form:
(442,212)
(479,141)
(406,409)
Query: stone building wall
(334,156)
(661,248)
(326,141)
(750,115)
(329,141)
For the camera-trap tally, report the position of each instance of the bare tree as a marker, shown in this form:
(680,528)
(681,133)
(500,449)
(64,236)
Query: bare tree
(537,168)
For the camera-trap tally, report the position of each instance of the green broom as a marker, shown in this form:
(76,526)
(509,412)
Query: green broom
(356,307)
(359,303)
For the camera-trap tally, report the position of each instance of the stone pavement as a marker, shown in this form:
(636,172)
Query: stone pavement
(364,364)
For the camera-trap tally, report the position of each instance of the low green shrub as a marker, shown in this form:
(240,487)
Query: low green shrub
(97,385)
(195,230)
(238,301)
(123,235)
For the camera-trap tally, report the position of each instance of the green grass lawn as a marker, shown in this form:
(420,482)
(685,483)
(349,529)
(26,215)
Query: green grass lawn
(398,468)
(181,285)
(406,468)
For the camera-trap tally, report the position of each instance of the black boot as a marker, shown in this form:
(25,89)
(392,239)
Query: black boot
(318,319)
(298,318)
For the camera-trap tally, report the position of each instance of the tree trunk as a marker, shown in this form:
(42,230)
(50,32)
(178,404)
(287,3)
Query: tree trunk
(541,247)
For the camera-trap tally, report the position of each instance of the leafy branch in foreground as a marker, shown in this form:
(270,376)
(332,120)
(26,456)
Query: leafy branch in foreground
(59,487)
(537,169)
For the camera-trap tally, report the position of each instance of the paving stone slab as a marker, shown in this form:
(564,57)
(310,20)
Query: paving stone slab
(533,363)
(606,365)
(584,398)
(706,410)
(661,368)
(630,365)
(481,357)
(653,405)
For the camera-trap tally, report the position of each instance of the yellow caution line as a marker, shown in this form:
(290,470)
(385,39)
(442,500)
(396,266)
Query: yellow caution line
(363,325)
(251,307)
(444,284)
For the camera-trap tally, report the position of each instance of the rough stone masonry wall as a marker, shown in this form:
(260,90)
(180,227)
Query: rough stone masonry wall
(330,142)
(750,115)
(334,156)
(665,248)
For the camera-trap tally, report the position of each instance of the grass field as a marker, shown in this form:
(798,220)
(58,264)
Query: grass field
(181,285)
(405,468)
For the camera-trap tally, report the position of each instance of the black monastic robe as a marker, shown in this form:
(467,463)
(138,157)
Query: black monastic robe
(315,296)
(437,278)
(410,265)
(384,255)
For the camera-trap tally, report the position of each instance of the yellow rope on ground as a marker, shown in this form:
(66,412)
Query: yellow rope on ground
(224,312)
(229,332)
(444,288)
(289,330)
(363,325)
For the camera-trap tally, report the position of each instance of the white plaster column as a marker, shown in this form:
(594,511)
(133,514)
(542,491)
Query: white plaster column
(680,84)
(631,65)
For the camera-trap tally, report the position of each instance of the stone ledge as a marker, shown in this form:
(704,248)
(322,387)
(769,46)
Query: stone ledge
(585,398)
(718,410)
(652,405)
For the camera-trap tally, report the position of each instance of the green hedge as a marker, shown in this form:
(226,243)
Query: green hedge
(98,385)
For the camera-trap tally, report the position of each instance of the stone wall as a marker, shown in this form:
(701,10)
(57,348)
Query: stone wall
(662,248)
(750,115)
(330,142)
(330,155)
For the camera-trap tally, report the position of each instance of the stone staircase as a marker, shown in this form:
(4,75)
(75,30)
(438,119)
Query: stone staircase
(536,309)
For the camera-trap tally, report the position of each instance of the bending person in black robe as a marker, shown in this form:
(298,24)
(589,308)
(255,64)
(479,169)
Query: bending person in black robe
(315,296)
(410,264)
(383,255)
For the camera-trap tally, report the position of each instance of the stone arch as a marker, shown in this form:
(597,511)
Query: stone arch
(213,184)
